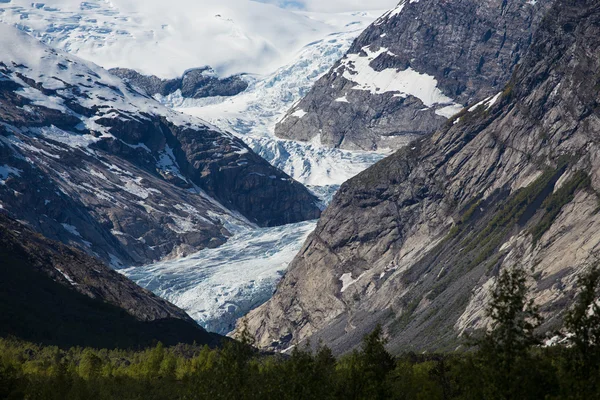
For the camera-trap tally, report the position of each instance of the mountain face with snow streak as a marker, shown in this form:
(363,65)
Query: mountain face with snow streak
(415,242)
(86,159)
(411,70)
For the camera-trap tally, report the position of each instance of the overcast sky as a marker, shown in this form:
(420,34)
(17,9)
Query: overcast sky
(334,5)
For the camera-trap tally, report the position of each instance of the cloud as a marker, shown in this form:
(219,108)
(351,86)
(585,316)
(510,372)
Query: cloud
(334,5)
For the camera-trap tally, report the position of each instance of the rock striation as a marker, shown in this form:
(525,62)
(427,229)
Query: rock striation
(416,241)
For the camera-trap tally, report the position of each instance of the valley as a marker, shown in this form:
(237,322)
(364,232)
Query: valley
(332,200)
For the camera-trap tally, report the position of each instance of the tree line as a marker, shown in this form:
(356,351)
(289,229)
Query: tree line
(508,361)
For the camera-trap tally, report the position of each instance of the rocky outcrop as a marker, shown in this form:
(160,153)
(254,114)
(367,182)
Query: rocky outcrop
(195,83)
(56,294)
(412,69)
(86,159)
(416,241)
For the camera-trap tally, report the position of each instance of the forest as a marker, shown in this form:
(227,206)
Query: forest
(506,361)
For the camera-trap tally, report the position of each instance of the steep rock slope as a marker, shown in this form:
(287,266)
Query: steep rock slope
(196,83)
(416,241)
(412,69)
(86,158)
(56,294)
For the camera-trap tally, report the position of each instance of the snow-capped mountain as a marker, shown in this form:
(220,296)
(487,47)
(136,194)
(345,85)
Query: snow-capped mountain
(85,158)
(281,52)
(217,286)
(412,69)
(253,114)
(123,34)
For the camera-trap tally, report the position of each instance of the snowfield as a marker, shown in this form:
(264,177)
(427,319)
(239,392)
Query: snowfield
(165,38)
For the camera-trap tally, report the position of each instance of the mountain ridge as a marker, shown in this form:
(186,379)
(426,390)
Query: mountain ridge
(118,174)
(58,295)
(411,70)
(416,241)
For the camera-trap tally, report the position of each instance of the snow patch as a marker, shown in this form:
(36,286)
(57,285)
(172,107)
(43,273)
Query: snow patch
(357,69)
(488,102)
(71,229)
(67,277)
(347,280)
(6,171)
(298,114)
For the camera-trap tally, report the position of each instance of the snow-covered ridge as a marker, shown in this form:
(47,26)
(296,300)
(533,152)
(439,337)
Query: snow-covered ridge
(62,78)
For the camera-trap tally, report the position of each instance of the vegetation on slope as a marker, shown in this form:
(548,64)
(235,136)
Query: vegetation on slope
(509,363)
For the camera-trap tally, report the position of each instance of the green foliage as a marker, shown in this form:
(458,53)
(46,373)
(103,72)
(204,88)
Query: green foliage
(507,365)
(555,202)
(505,350)
(514,316)
(583,323)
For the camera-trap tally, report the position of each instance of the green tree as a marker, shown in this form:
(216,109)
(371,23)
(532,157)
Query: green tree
(364,374)
(90,365)
(505,348)
(234,366)
(583,323)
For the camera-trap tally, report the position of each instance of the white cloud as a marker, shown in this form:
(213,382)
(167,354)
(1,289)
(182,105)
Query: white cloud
(334,5)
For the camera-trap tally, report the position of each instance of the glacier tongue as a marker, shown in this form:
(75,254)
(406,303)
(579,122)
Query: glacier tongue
(218,286)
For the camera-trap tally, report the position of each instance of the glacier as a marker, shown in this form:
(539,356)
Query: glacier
(252,114)
(218,286)
(281,54)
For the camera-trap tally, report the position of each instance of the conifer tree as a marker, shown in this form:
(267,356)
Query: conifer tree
(583,323)
(505,349)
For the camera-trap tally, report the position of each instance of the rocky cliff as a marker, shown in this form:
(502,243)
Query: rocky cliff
(416,241)
(88,160)
(195,83)
(59,295)
(412,69)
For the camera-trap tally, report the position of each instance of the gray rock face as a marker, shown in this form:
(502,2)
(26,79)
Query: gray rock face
(412,69)
(195,83)
(86,159)
(416,241)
